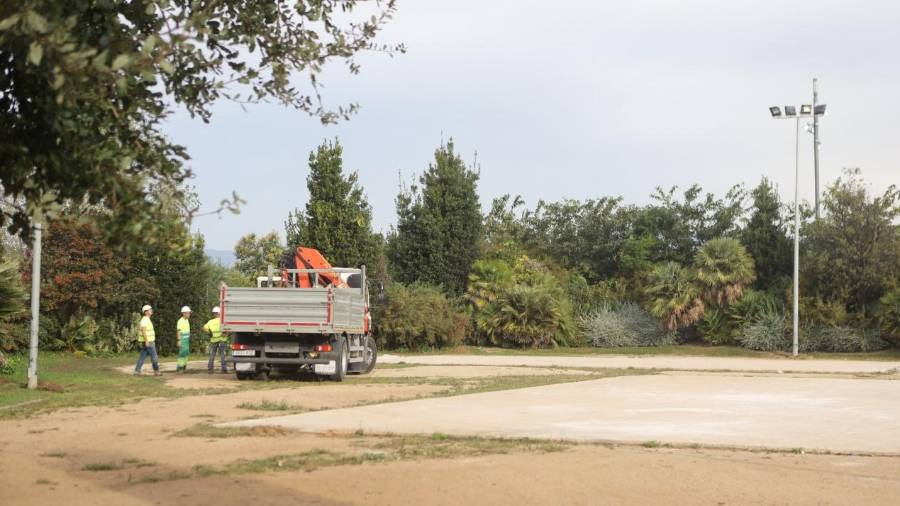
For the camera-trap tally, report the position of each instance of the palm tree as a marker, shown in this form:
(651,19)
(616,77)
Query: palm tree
(529,316)
(674,297)
(723,268)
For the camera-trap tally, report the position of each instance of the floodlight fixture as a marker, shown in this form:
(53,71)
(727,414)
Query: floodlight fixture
(820,110)
(790,111)
(775,111)
(805,110)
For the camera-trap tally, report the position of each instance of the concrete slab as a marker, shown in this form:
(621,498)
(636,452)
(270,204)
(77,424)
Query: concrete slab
(775,412)
(653,362)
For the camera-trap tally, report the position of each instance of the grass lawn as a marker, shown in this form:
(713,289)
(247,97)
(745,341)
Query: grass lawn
(693,350)
(67,380)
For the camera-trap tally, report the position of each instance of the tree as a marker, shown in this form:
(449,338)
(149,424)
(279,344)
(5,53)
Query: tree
(723,269)
(79,272)
(255,254)
(679,227)
(673,296)
(12,302)
(337,219)
(852,253)
(85,87)
(766,238)
(439,227)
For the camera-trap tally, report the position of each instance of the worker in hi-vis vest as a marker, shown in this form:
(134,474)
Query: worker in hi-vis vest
(147,340)
(217,341)
(184,339)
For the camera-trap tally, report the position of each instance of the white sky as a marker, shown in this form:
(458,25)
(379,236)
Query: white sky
(577,99)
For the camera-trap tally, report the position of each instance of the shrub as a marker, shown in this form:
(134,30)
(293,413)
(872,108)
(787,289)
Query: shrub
(889,315)
(840,340)
(751,305)
(767,331)
(715,327)
(770,331)
(530,317)
(418,317)
(627,324)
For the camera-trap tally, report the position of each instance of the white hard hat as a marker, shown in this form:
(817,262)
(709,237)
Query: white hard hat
(146,308)
(217,310)
(185,309)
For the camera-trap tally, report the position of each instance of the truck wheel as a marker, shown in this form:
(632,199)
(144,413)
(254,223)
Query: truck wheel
(244,376)
(340,366)
(370,355)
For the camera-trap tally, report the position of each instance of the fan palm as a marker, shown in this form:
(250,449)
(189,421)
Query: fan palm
(723,268)
(528,316)
(674,297)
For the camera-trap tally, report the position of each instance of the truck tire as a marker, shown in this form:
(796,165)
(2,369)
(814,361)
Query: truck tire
(244,376)
(370,355)
(343,359)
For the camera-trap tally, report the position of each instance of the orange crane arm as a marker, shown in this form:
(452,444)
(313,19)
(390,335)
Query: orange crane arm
(309,258)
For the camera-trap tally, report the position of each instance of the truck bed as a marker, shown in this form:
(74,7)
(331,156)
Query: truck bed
(293,310)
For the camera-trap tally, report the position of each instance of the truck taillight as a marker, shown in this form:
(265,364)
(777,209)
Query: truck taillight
(235,346)
(323,347)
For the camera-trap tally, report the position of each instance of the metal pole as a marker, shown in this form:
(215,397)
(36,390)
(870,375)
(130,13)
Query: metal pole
(797,239)
(35,306)
(816,140)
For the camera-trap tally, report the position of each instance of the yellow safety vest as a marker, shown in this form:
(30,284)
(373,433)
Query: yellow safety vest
(147,325)
(184,328)
(214,327)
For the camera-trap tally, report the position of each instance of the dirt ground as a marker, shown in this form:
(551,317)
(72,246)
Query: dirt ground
(131,454)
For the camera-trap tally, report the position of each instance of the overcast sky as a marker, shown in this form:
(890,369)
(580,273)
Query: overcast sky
(577,99)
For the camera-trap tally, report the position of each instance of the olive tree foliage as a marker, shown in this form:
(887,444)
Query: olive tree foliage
(85,86)
(439,225)
(337,219)
(852,254)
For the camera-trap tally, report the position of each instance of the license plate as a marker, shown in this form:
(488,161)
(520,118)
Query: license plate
(243,353)
(328,368)
(282,348)
(244,366)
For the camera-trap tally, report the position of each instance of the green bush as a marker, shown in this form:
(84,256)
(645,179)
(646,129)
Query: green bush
(626,324)
(751,305)
(889,315)
(530,317)
(770,331)
(840,340)
(715,327)
(767,331)
(418,317)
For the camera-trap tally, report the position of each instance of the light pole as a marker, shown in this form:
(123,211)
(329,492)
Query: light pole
(790,112)
(818,110)
(35,305)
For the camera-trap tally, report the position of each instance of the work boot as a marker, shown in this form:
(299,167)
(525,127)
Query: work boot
(136,373)
(157,373)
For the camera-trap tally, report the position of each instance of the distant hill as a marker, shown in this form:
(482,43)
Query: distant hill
(224,257)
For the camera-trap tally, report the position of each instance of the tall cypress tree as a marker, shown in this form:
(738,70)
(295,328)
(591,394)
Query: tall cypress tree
(439,225)
(337,219)
(765,237)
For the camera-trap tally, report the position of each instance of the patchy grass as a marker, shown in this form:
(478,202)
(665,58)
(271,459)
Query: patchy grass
(267,405)
(206,430)
(387,448)
(171,475)
(102,466)
(55,455)
(44,481)
(695,350)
